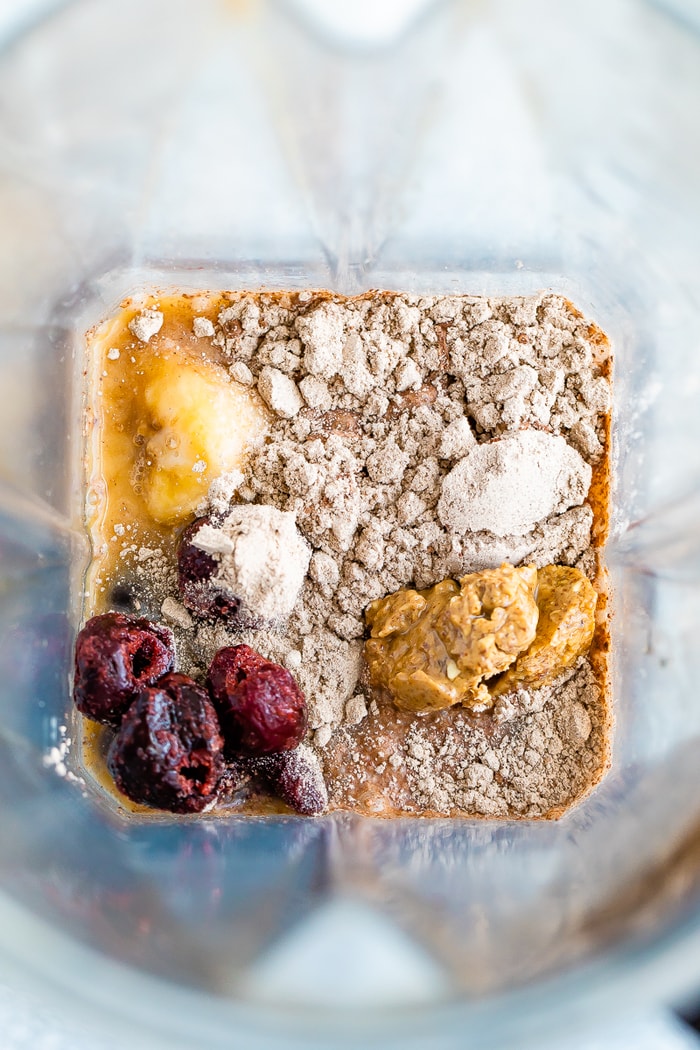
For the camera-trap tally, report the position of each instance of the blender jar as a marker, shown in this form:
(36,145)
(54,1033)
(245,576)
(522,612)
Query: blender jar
(485,147)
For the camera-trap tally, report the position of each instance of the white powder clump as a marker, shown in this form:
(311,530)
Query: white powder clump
(509,485)
(203,328)
(457,439)
(357,376)
(322,332)
(222,491)
(328,675)
(302,769)
(324,571)
(279,392)
(262,558)
(322,736)
(241,373)
(584,438)
(316,393)
(176,613)
(146,324)
(355,710)
(409,507)
(408,376)
(292,661)
(388,463)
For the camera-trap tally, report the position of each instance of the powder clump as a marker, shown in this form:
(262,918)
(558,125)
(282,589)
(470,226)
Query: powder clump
(509,485)
(146,324)
(261,558)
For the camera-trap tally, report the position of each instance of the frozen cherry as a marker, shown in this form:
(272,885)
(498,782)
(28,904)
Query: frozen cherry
(233,664)
(115,655)
(168,751)
(260,706)
(296,776)
(196,570)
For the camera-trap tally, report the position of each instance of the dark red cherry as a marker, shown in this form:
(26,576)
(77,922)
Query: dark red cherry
(115,656)
(168,752)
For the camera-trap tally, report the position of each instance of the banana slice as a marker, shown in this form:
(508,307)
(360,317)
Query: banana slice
(197,424)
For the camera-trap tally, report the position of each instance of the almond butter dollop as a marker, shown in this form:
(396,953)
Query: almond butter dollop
(431,649)
(445,645)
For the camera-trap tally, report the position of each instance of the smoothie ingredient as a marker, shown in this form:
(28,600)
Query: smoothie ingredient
(115,656)
(168,752)
(261,559)
(296,776)
(196,424)
(195,572)
(146,324)
(398,392)
(260,706)
(432,649)
(508,485)
(566,602)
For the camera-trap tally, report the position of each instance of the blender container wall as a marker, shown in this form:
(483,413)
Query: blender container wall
(487,147)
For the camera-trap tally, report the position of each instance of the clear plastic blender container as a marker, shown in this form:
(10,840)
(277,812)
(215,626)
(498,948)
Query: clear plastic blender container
(487,147)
